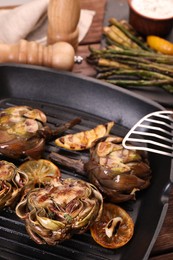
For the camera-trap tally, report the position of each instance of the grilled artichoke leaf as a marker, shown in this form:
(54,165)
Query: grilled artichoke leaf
(54,213)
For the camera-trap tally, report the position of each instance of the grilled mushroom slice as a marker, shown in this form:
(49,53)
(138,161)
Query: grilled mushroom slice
(23,132)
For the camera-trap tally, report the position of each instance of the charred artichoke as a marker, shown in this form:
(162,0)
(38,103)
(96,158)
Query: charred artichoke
(54,213)
(117,172)
(23,132)
(12,183)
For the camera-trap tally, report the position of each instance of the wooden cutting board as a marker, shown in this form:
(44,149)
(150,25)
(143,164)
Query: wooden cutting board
(95,32)
(93,37)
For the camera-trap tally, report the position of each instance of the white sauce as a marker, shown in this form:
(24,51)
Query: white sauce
(155,9)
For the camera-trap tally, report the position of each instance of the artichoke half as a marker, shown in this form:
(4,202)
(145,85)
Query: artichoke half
(54,213)
(117,172)
(19,128)
(12,183)
(23,132)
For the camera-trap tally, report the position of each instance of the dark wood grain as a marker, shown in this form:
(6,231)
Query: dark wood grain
(84,68)
(163,248)
(95,32)
(166,256)
(93,37)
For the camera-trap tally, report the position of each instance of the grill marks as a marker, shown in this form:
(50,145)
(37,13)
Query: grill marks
(14,240)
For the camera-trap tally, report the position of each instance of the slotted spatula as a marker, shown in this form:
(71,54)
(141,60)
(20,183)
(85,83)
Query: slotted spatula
(152,133)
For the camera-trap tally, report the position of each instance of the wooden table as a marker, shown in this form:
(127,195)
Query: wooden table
(163,247)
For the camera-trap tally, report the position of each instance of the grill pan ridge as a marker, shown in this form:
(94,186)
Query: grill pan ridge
(63,96)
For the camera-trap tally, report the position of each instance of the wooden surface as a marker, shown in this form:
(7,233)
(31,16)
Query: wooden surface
(94,35)
(163,247)
(119,9)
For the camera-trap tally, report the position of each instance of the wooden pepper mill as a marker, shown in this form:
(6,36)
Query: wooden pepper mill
(60,55)
(63,18)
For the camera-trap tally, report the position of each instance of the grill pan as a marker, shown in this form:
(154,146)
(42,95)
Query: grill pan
(63,96)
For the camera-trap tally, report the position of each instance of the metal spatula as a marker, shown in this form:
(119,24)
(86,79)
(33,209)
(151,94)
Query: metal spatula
(153,133)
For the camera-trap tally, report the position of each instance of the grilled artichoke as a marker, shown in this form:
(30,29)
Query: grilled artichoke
(53,213)
(12,183)
(117,172)
(23,132)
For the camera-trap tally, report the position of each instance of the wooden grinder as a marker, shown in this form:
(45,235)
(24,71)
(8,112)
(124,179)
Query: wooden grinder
(60,55)
(63,18)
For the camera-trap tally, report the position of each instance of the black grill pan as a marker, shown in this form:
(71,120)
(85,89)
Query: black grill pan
(63,96)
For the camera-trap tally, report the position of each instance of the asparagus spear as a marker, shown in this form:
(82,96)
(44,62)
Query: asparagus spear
(141,83)
(143,74)
(111,63)
(128,62)
(168,88)
(117,36)
(160,58)
(129,34)
(137,64)
(116,58)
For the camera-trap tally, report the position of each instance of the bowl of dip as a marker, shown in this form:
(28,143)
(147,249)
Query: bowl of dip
(149,17)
